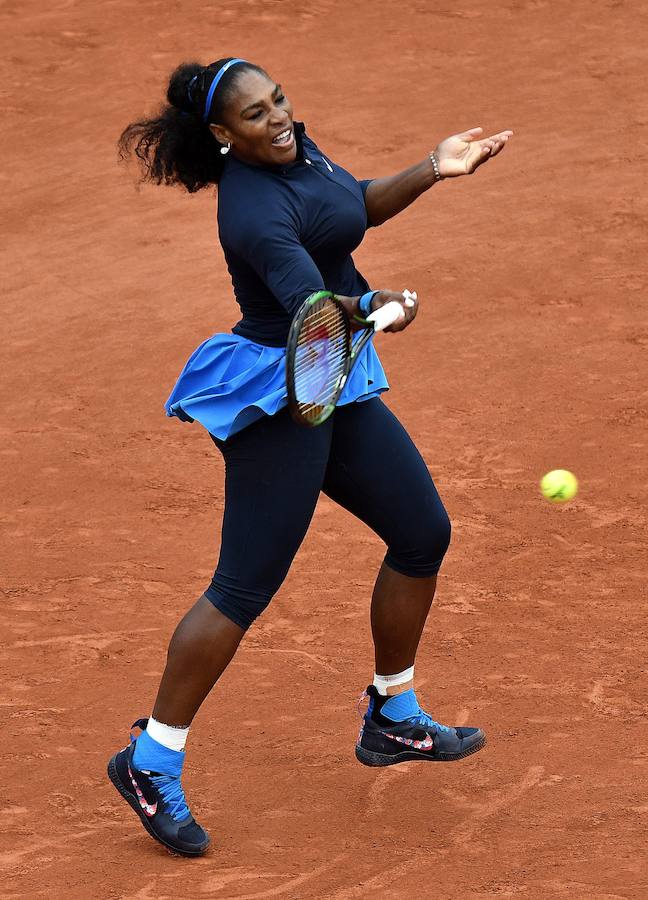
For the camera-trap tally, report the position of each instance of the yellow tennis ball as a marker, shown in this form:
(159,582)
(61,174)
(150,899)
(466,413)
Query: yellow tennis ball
(559,486)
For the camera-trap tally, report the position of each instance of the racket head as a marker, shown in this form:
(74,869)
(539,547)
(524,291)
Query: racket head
(318,355)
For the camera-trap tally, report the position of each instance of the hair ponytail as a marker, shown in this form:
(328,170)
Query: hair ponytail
(177,146)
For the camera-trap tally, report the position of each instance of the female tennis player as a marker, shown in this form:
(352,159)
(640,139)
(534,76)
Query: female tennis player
(289,218)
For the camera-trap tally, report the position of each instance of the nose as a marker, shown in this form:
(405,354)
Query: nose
(280,117)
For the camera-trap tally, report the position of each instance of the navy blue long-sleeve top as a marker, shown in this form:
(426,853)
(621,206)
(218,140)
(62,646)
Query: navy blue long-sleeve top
(286,232)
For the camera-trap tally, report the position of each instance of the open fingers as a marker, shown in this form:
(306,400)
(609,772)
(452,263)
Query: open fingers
(470,135)
(489,147)
(499,141)
(481,152)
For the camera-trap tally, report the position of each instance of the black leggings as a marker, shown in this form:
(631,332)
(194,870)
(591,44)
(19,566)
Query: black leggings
(362,458)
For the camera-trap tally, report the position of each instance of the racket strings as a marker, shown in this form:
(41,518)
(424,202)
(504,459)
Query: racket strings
(320,359)
(327,323)
(309,363)
(320,380)
(319,395)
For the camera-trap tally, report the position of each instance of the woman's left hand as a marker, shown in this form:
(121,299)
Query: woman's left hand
(462,153)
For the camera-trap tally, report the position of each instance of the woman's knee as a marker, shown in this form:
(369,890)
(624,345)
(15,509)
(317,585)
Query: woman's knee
(419,553)
(240,604)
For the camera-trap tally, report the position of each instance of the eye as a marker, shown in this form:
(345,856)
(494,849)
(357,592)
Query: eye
(281,98)
(256,114)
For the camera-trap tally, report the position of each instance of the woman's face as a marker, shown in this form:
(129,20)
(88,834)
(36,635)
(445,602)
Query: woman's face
(258,122)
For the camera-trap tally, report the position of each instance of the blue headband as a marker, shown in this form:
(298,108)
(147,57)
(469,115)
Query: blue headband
(214,84)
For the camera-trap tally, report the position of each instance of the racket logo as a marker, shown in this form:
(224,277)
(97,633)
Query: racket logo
(315,331)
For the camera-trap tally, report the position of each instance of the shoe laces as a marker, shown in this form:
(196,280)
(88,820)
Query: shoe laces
(171,792)
(362,696)
(422,718)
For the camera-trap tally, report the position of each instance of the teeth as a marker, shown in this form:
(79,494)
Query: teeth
(283,137)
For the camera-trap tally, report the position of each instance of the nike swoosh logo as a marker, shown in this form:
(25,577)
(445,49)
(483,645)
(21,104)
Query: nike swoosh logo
(149,808)
(426,744)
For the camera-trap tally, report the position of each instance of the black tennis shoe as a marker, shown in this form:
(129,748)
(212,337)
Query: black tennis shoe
(159,801)
(384,742)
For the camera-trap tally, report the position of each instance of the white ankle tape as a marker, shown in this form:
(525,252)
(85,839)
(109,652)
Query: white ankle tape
(382,682)
(168,735)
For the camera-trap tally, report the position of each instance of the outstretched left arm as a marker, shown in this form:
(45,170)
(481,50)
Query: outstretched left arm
(457,155)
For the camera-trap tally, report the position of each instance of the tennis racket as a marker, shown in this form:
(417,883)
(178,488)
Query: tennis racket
(321,353)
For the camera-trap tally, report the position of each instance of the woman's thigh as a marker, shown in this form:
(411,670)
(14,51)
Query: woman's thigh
(376,472)
(273,476)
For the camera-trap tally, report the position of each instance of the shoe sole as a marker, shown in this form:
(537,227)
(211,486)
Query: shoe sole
(131,799)
(371,758)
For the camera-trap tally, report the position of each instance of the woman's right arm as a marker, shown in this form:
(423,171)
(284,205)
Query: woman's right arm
(273,249)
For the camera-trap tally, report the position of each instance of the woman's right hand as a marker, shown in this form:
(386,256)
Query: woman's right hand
(409,304)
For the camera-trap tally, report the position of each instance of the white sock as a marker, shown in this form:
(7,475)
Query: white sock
(382,682)
(169,736)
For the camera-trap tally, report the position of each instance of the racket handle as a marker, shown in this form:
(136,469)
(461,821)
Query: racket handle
(386,315)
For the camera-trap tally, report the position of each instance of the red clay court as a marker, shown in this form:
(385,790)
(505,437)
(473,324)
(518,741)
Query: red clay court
(529,354)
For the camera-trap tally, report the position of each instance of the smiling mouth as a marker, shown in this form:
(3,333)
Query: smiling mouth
(284,139)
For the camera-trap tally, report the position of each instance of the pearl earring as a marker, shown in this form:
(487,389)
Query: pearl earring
(226,149)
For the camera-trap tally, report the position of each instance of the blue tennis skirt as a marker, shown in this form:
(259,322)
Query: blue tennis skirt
(230,382)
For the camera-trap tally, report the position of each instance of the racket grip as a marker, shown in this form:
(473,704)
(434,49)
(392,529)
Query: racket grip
(386,315)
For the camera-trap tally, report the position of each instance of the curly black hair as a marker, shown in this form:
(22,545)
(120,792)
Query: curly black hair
(177,146)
